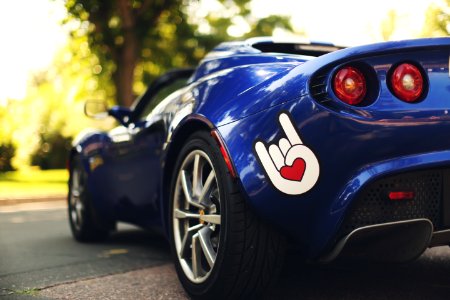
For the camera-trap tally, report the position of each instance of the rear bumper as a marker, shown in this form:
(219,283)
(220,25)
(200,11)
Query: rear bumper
(431,201)
(378,228)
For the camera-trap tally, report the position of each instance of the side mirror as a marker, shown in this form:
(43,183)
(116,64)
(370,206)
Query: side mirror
(96,109)
(121,114)
(99,110)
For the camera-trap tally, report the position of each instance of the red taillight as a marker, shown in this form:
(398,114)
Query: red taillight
(349,85)
(401,195)
(407,82)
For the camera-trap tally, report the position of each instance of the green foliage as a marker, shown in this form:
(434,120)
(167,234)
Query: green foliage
(52,110)
(161,34)
(389,24)
(27,292)
(153,36)
(6,155)
(437,21)
(53,152)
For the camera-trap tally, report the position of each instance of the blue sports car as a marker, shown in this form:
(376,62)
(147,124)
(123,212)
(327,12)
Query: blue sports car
(267,144)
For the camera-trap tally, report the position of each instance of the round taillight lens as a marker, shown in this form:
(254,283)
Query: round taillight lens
(407,82)
(349,85)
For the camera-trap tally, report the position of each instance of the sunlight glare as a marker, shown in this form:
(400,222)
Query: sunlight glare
(348,22)
(31,35)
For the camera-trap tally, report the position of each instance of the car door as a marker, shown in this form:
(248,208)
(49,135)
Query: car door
(135,154)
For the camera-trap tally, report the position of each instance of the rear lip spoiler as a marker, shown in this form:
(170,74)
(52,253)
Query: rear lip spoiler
(422,241)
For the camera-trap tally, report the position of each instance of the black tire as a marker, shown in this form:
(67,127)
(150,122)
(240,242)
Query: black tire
(249,253)
(84,222)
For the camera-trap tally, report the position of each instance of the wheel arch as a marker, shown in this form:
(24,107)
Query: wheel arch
(80,142)
(179,137)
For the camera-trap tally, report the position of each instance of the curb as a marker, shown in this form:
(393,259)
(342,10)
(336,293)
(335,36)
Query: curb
(13,201)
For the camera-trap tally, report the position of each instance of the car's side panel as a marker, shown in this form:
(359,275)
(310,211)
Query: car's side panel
(124,172)
(132,167)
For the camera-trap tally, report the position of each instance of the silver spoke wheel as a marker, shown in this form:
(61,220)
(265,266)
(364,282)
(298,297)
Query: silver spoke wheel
(76,203)
(196,216)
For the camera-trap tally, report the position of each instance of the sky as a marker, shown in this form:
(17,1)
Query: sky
(30,35)
(30,31)
(348,22)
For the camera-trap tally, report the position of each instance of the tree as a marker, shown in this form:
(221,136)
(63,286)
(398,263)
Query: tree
(52,109)
(136,40)
(97,63)
(389,24)
(437,21)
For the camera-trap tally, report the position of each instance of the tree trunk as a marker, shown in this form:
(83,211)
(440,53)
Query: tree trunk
(127,56)
(124,73)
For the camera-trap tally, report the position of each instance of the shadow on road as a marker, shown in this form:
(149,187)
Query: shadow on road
(138,237)
(426,278)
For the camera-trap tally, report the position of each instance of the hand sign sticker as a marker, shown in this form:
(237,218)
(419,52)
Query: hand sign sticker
(290,165)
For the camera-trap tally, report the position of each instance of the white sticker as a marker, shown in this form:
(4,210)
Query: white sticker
(290,165)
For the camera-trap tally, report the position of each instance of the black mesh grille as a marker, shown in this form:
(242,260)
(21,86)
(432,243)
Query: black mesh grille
(373,206)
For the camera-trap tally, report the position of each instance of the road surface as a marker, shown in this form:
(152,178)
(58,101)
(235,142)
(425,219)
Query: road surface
(40,260)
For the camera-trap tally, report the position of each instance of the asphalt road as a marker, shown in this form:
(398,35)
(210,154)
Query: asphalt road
(39,260)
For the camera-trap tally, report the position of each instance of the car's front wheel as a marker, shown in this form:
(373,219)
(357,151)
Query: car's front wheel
(84,223)
(221,249)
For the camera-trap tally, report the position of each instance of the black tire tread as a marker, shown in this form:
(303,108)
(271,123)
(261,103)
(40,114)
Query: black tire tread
(92,230)
(258,259)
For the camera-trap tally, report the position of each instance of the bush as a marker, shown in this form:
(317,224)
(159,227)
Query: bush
(6,154)
(53,152)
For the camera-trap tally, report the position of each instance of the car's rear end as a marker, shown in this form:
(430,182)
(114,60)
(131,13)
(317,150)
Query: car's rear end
(377,119)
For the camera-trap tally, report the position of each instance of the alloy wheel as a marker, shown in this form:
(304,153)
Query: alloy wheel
(76,202)
(196,216)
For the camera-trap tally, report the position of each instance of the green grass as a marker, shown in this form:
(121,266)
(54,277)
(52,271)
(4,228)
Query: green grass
(27,292)
(33,183)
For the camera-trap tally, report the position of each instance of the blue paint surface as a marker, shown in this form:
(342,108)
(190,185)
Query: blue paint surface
(240,91)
